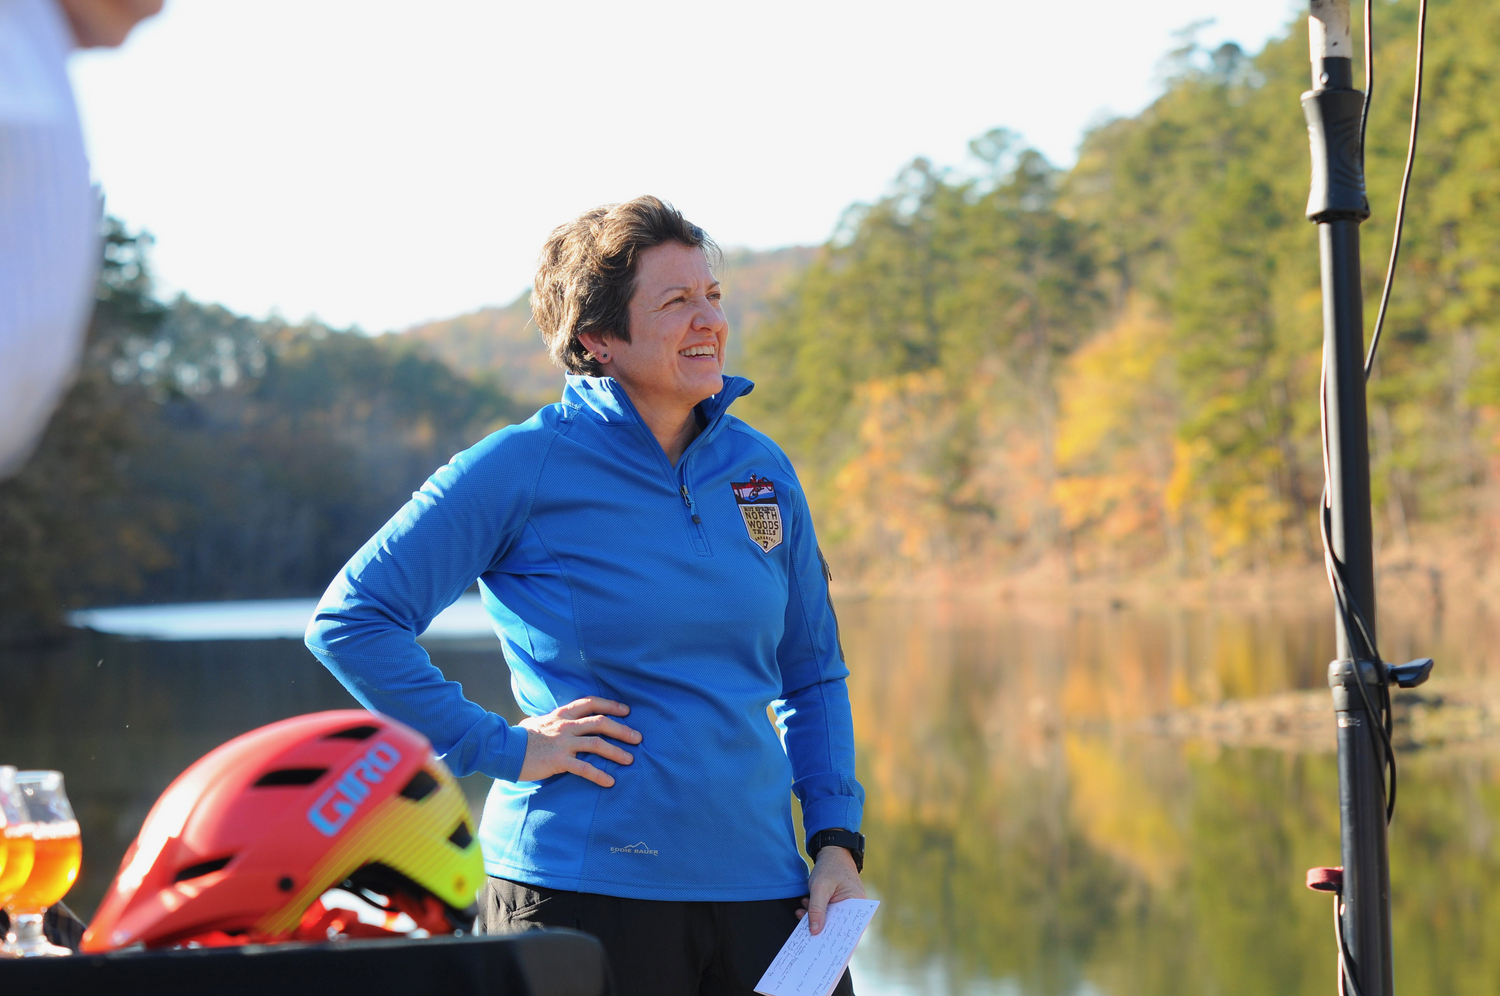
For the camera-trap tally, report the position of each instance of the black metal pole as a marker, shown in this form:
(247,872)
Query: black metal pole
(1338,205)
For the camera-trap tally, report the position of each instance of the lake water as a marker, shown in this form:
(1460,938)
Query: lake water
(1032,830)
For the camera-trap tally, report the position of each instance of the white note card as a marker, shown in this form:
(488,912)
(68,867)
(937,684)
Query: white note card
(812,965)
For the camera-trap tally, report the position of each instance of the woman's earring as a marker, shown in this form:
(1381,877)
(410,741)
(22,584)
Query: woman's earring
(603,356)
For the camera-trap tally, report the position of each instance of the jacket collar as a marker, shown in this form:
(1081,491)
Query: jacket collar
(606,401)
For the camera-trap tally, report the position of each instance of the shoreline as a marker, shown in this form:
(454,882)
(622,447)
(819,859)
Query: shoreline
(1435,576)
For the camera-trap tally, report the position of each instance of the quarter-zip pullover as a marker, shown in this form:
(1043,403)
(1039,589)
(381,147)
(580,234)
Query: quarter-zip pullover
(695,594)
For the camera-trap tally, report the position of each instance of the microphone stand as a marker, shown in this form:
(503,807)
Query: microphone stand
(1359,679)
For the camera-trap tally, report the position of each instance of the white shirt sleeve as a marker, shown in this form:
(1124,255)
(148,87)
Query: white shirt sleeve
(49,225)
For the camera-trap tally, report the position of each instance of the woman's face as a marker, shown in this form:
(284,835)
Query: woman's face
(675,356)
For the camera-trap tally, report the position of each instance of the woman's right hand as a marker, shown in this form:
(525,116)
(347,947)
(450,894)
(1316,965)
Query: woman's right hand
(554,740)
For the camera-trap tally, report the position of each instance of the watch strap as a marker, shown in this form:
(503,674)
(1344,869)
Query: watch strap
(850,840)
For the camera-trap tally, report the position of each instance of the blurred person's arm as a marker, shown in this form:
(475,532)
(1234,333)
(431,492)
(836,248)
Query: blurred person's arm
(49,224)
(106,23)
(49,213)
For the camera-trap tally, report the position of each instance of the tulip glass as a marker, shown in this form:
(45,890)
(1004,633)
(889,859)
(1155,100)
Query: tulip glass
(58,852)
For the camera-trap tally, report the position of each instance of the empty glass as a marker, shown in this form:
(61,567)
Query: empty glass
(57,854)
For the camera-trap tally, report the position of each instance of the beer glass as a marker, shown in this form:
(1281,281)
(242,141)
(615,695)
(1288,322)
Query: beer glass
(16,848)
(57,855)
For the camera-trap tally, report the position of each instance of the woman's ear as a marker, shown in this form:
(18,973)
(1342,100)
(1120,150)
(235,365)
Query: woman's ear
(596,344)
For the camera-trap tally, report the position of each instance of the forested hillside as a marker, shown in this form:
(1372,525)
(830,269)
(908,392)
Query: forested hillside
(1116,366)
(496,341)
(204,455)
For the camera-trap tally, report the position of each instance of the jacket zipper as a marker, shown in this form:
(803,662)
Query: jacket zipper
(700,535)
(688,500)
(679,473)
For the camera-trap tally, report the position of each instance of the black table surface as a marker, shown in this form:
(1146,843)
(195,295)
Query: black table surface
(536,963)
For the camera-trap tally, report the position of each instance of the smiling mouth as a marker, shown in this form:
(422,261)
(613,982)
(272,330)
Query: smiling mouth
(708,349)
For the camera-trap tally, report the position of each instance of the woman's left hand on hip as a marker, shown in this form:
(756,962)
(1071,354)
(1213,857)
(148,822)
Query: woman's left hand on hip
(834,879)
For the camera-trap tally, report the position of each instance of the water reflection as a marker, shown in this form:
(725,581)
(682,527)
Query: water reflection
(1025,832)
(1028,832)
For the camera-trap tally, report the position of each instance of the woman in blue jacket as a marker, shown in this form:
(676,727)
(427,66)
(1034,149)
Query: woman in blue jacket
(650,567)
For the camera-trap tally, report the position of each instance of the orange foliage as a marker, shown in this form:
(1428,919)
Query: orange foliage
(1116,440)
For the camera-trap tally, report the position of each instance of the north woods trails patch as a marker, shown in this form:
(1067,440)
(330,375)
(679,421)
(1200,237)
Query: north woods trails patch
(756,499)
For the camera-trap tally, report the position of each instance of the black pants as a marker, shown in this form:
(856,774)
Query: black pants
(657,948)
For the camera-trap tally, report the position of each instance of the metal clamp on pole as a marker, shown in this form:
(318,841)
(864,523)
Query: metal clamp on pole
(1412,673)
(1408,675)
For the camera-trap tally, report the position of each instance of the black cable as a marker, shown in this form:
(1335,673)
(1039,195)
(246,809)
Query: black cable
(1347,985)
(1411,156)
(1356,625)
(1364,111)
(1354,621)
(1382,722)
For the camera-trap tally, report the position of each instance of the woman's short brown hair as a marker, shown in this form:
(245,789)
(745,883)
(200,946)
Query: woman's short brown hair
(587,274)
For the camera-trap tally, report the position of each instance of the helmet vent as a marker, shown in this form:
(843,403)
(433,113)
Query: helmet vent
(420,787)
(290,776)
(201,869)
(354,733)
(461,838)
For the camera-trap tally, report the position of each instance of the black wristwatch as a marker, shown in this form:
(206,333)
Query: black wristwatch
(853,842)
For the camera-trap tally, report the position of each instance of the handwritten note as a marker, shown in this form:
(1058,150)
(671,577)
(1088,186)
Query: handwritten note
(812,965)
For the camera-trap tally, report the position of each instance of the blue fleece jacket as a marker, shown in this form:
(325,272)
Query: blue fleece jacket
(695,594)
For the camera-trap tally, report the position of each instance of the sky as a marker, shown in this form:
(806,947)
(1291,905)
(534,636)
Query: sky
(378,164)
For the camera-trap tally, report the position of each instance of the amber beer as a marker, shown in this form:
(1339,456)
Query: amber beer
(58,854)
(15,838)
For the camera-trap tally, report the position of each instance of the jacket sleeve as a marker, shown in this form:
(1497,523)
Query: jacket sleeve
(365,630)
(819,725)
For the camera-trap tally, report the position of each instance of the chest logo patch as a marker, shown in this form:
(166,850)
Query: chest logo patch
(756,500)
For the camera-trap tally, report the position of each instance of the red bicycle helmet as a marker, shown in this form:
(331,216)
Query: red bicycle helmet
(243,845)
